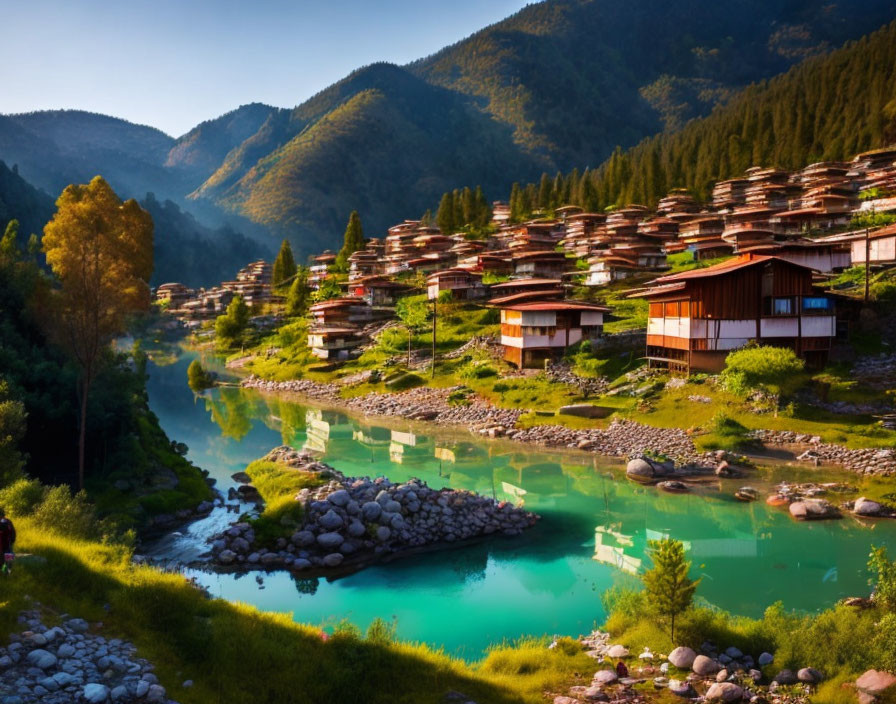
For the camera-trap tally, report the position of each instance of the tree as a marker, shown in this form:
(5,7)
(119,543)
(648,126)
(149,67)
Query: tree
(669,589)
(327,289)
(230,327)
(9,245)
(884,581)
(445,214)
(414,313)
(12,430)
(101,252)
(284,265)
(197,378)
(353,240)
(299,294)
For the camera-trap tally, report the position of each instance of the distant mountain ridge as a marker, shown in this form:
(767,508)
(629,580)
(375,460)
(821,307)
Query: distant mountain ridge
(557,85)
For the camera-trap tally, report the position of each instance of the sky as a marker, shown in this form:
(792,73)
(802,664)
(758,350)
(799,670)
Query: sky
(174,63)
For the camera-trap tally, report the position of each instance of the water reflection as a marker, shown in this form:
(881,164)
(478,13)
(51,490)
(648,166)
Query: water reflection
(593,533)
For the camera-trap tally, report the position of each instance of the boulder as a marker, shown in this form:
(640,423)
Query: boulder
(585,410)
(682,657)
(604,677)
(41,658)
(682,689)
(617,651)
(334,559)
(225,557)
(371,511)
(595,694)
(640,470)
(330,520)
(704,666)
(330,541)
(722,675)
(813,510)
(766,659)
(95,693)
(785,677)
(340,498)
(734,653)
(809,675)
(866,507)
(876,682)
(303,538)
(725,692)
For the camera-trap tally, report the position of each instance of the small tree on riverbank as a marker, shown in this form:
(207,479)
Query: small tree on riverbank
(230,327)
(197,378)
(413,312)
(669,589)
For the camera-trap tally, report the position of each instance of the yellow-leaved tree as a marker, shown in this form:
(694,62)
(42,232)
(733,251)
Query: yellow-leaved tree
(100,250)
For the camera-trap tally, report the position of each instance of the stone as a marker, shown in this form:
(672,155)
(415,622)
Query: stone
(725,692)
(330,541)
(640,470)
(734,653)
(617,651)
(866,507)
(41,658)
(118,693)
(595,694)
(356,529)
(813,510)
(785,677)
(334,559)
(95,693)
(340,498)
(78,625)
(303,538)
(681,689)
(682,657)
(604,677)
(383,534)
(876,682)
(722,675)
(371,511)
(809,675)
(585,410)
(330,520)
(65,651)
(704,666)
(156,693)
(765,659)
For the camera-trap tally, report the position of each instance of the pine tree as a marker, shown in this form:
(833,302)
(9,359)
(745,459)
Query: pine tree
(469,206)
(459,220)
(445,214)
(284,265)
(516,204)
(299,294)
(353,241)
(483,209)
(669,589)
(545,192)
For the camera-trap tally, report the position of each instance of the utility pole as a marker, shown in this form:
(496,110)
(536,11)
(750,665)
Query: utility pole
(867,262)
(434,314)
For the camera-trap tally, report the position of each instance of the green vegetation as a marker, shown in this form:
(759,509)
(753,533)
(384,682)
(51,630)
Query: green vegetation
(299,295)
(352,241)
(197,378)
(230,328)
(776,370)
(464,210)
(278,485)
(284,266)
(668,588)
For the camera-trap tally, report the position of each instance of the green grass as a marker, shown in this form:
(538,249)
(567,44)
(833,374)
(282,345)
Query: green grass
(278,485)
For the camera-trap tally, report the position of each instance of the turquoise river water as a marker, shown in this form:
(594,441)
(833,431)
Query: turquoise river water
(592,535)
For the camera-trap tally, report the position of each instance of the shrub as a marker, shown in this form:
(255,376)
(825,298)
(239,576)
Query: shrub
(884,578)
(197,378)
(381,631)
(22,497)
(405,381)
(66,514)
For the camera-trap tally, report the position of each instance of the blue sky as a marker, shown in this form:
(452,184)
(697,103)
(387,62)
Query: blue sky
(175,63)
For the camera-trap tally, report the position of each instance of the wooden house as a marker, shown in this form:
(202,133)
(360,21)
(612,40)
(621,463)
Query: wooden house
(340,312)
(377,291)
(697,317)
(530,285)
(173,295)
(543,264)
(464,285)
(335,342)
(532,332)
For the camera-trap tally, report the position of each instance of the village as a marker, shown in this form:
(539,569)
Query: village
(754,264)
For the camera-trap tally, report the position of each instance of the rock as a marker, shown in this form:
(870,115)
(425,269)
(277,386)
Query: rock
(226,556)
(682,657)
(704,666)
(383,534)
(785,677)
(617,651)
(594,694)
(78,625)
(334,559)
(604,677)
(725,692)
(330,520)
(95,693)
(809,675)
(876,682)
(371,511)
(356,529)
(722,675)
(330,541)
(734,653)
(303,538)
(765,659)
(813,510)
(640,470)
(340,498)
(866,507)
(41,658)
(681,689)
(585,410)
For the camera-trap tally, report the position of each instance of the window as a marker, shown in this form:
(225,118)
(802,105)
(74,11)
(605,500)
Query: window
(817,305)
(780,306)
(672,309)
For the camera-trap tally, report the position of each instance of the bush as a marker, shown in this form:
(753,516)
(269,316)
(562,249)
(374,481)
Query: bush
(405,381)
(477,370)
(22,497)
(66,514)
(197,378)
(776,369)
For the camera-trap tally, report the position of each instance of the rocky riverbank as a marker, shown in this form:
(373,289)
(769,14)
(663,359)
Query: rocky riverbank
(72,663)
(872,461)
(622,438)
(351,522)
(713,674)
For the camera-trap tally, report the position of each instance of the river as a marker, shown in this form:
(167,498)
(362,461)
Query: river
(592,536)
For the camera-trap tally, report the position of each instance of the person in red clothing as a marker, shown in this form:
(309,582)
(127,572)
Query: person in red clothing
(7,541)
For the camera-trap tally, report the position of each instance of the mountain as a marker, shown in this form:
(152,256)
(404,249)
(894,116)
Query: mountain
(193,254)
(21,201)
(557,85)
(829,107)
